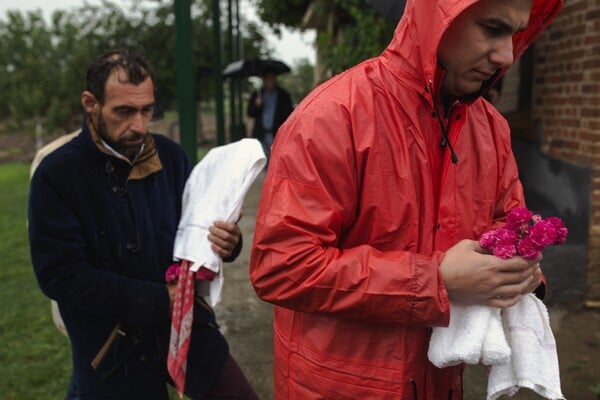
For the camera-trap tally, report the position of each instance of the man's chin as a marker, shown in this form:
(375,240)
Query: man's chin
(130,151)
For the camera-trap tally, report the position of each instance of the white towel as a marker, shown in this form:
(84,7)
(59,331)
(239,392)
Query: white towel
(474,334)
(215,190)
(495,349)
(528,359)
(534,361)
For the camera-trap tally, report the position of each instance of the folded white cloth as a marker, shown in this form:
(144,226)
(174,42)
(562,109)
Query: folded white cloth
(534,360)
(474,332)
(478,334)
(215,190)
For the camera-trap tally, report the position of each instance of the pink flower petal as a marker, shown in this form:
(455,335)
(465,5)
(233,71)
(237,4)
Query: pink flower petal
(517,217)
(528,249)
(172,273)
(525,234)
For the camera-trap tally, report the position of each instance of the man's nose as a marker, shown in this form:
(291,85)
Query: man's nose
(502,55)
(139,122)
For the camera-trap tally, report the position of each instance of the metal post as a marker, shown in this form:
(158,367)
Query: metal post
(217,73)
(232,82)
(186,97)
(239,54)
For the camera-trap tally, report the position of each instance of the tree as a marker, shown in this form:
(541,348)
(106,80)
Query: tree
(361,33)
(43,64)
(300,81)
(282,12)
(351,30)
(24,54)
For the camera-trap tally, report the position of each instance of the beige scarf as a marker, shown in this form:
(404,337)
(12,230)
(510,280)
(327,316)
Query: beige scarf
(146,163)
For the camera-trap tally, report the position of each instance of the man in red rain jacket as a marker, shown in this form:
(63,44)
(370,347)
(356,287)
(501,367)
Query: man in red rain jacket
(380,184)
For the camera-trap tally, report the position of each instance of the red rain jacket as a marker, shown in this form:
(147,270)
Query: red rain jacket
(358,206)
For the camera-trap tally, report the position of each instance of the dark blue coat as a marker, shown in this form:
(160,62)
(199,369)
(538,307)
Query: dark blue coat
(283,109)
(100,245)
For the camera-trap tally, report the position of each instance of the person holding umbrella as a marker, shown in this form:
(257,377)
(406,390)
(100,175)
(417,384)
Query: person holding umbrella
(269,107)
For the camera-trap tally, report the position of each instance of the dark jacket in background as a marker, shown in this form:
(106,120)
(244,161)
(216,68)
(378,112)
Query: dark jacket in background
(283,109)
(101,241)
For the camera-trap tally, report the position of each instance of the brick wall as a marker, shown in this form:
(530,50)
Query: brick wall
(566,101)
(509,100)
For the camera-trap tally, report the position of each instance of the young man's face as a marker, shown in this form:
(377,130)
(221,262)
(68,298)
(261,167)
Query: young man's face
(122,121)
(479,42)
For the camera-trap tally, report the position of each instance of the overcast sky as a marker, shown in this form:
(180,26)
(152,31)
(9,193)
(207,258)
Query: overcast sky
(290,47)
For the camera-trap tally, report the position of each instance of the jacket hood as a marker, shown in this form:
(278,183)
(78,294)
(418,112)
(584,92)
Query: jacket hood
(413,49)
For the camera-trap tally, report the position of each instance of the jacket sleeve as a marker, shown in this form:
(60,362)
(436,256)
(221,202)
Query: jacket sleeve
(287,105)
(253,110)
(299,258)
(64,272)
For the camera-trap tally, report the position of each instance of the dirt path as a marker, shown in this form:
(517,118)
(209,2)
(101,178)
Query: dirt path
(247,321)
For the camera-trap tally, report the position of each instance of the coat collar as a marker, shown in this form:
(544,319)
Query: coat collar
(146,163)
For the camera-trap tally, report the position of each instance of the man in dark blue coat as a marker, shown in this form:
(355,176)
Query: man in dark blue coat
(103,213)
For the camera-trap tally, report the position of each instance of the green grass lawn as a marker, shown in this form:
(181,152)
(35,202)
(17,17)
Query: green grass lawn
(35,358)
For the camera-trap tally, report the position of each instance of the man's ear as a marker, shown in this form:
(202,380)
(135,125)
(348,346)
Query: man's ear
(89,102)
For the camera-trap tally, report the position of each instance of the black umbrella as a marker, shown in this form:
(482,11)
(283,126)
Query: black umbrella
(390,8)
(254,67)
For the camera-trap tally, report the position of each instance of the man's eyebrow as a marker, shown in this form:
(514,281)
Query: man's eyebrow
(126,107)
(501,24)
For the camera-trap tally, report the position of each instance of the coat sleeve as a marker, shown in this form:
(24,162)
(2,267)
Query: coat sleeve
(64,272)
(287,105)
(253,111)
(309,203)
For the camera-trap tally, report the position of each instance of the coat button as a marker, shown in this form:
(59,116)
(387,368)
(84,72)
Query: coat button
(132,247)
(119,190)
(109,167)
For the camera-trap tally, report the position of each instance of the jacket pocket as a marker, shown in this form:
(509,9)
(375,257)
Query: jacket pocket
(115,351)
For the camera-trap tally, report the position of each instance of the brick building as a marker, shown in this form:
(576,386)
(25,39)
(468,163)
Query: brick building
(552,101)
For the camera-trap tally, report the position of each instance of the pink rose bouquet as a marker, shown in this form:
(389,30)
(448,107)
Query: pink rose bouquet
(524,234)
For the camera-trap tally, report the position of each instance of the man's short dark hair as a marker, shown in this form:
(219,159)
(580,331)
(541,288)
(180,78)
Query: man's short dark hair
(136,68)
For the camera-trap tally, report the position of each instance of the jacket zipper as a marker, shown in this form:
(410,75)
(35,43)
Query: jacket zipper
(414,386)
(444,125)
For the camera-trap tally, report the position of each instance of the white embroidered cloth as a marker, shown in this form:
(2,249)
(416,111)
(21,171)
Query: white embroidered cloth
(215,190)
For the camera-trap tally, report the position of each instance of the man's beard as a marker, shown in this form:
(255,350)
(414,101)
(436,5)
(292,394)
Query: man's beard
(121,147)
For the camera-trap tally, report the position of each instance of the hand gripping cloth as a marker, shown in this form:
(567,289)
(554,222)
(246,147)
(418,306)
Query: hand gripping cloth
(215,190)
(517,343)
